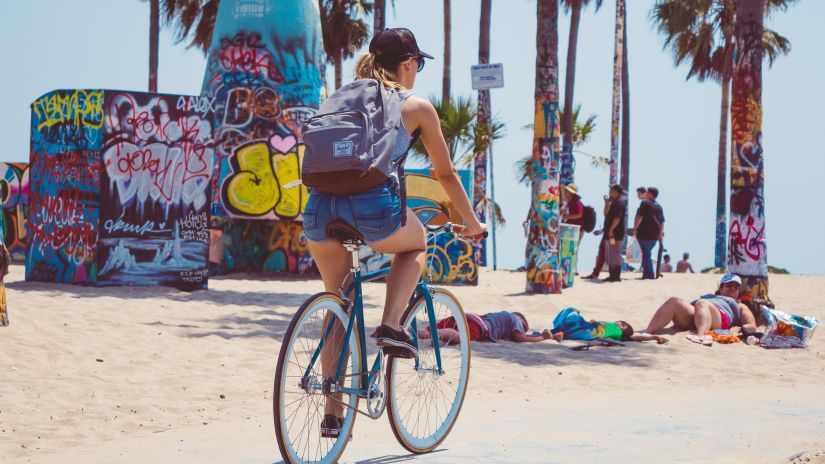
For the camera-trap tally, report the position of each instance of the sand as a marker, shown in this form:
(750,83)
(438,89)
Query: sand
(136,375)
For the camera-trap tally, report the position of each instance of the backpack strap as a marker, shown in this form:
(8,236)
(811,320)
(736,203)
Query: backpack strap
(402,181)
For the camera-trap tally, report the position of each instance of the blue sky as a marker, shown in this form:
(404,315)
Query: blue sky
(50,44)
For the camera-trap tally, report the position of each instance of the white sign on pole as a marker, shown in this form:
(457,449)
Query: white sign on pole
(488,76)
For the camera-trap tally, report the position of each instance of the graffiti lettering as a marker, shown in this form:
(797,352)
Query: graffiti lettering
(14,194)
(120,225)
(266,179)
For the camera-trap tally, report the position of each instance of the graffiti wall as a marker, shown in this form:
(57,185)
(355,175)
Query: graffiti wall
(64,186)
(157,159)
(14,196)
(118,189)
(747,251)
(543,267)
(263,80)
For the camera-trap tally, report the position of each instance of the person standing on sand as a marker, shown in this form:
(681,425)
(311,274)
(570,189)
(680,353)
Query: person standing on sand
(574,208)
(615,224)
(649,228)
(684,265)
(603,243)
(4,270)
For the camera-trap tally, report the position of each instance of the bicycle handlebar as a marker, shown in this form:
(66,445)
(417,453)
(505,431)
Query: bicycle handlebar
(448,227)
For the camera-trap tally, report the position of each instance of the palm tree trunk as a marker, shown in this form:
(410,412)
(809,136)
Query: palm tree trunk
(747,251)
(617,84)
(445,80)
(482,120)
(338,71)
(379,16)
(720,250)
(625,167)
(543,267)
(154,35)
(568,165)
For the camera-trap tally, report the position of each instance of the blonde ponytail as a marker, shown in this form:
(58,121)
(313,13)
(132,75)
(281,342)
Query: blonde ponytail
(368,68)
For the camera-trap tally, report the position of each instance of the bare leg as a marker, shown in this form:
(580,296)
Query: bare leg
(334,263)
(706,317)
(408,245)
(673,310)
(449,336)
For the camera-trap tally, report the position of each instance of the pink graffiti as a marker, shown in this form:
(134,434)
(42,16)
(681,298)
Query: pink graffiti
(751,241)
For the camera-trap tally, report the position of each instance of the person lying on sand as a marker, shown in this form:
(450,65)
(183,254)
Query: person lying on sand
(720,310)
(574,326)
(502,325)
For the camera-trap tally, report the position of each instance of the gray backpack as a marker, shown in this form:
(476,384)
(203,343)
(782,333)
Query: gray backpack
(350,142)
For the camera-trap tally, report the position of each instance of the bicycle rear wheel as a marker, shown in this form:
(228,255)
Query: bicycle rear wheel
(424,403)
(299,399)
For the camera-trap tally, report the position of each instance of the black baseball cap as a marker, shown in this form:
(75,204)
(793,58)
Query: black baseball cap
(392,46)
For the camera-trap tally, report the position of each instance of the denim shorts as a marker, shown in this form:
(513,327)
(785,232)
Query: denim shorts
(376,213)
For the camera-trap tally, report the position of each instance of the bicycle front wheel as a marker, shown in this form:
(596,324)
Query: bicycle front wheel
(424,401)
(300,400)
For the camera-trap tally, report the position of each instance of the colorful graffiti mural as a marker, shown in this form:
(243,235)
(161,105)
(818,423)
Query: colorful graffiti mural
(263,80)
(64,187)
(747,250)
(543,267)
(568,253)
(119,189)
(280,246)
(14,197)
(157,159)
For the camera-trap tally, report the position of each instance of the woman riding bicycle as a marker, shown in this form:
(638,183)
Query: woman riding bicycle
(394,59)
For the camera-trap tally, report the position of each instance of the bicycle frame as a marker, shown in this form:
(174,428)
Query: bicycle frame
(356,322)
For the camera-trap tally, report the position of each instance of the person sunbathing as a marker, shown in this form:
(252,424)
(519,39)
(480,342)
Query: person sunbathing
(502,325)
(715,311)
(574,326)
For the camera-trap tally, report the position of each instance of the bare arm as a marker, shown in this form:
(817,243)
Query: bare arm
(427,121)
(643,337)
(637,224)
(613,226)
(746,318)
(521,337)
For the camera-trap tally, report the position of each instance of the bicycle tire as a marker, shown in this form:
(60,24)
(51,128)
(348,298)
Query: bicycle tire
(333,451)
(397,368)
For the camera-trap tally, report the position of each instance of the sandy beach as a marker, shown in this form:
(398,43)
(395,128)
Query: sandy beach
(134,375)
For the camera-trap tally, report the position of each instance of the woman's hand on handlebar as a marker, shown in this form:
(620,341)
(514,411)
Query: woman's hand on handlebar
(473,232)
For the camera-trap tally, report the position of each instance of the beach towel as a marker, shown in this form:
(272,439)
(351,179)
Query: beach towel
(787,330)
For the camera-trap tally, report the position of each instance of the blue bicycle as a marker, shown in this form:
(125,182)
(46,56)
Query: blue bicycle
(422,395)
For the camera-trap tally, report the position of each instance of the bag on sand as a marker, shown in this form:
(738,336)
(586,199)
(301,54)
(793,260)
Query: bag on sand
(350,142)
(787,330)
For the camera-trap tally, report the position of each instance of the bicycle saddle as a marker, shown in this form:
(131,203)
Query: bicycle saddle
(343,232)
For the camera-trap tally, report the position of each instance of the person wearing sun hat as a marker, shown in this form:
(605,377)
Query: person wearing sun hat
(715,311)
(573,208)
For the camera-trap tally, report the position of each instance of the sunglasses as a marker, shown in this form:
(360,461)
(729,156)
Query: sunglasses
(730,285)
(421,62)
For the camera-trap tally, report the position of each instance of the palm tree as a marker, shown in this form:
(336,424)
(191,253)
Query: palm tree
(582,131)
(617,84)
(379,16)
(574,7)
(193,20)
(747,249)
(624,179)
(542,253)
(343,29)
(483,119)
(154,35)
(701,34)
(445,78)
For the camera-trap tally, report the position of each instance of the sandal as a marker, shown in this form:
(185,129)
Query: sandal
(705,340)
